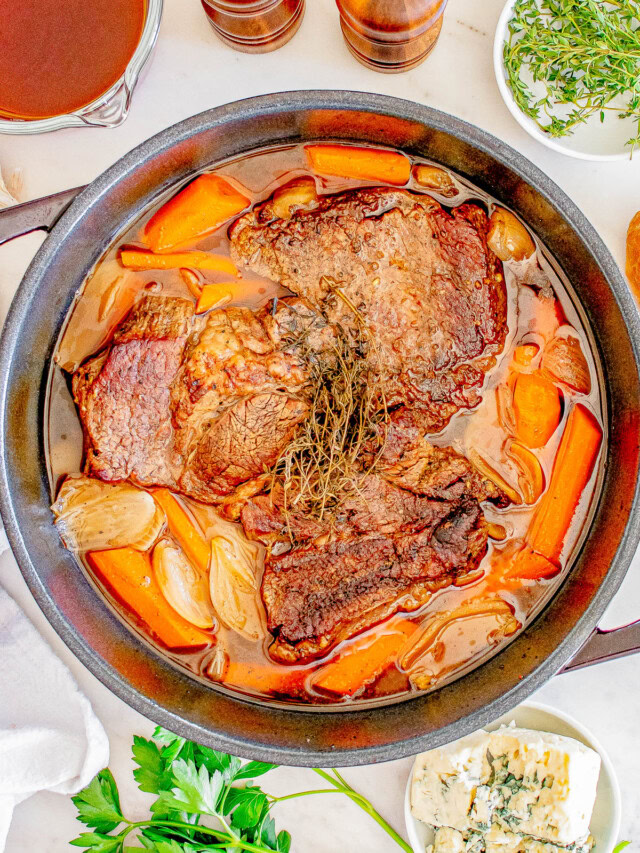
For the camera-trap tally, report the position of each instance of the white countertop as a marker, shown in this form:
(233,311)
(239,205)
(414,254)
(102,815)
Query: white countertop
(190,72)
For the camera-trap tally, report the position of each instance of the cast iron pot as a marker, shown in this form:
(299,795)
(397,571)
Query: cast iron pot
(139,674)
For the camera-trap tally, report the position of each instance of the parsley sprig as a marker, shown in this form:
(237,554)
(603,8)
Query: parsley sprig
(205,801)
(586,52)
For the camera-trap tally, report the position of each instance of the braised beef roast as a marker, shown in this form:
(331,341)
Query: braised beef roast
(422,279)
(205,406)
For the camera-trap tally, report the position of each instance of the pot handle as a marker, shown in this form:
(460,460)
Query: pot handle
(41,214)
(607,645)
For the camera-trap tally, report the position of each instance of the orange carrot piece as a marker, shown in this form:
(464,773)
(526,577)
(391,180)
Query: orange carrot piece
(537,409)
(130,575)
(515,563)
(572,470)
(363,661)
(528,565)
(262,678)
(215,295)
(366,164)
(194,212)
(140,259)
(187,534)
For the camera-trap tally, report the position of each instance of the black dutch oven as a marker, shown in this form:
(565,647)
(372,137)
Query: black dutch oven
(140,675)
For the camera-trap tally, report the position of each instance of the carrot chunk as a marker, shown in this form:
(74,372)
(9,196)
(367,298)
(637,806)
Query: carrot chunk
(537,409)
(139,259)
(129,573)
(263,679)
(187,534)
(215,295)
(363,661)
(196,211)
(366,164)
(572,470)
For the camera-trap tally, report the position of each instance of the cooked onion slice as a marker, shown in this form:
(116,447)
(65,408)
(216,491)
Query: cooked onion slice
(490,473)
(233,584)
(185,588)
(424,639)
(300,192)
(508,237)
(564,361)
(435,179)
(531,479)
(96,516)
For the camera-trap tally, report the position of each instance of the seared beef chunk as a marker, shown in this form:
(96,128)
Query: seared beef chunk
(423,280)
(322,593)
(410,460)
(123,394)
(241,443)
(387,550)
(197,406)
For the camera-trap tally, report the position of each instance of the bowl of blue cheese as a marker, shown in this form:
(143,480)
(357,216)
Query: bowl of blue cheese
(535,781)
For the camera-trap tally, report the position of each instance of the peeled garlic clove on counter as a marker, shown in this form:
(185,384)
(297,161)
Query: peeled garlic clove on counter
(434,178)
(96,516)
(300,192)
(508,237)
(185,588)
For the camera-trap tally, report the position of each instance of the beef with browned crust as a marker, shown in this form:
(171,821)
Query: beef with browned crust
(423,280)
(198,405)
(323,592)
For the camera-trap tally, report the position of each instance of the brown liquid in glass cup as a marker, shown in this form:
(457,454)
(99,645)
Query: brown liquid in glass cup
(391,35)
(255,26)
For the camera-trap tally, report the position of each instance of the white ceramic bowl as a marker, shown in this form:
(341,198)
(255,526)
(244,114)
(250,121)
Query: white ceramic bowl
(605,821)
(595,140)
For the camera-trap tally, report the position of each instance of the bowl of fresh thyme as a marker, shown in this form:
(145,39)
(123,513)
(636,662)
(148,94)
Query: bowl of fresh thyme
(569,72)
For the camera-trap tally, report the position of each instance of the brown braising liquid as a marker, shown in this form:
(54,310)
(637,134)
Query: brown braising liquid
(533,316)
(57,56)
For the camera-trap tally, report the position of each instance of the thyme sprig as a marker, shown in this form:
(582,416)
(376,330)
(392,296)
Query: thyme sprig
(585,52)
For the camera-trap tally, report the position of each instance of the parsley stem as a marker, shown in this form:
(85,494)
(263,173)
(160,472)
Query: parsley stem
(231,839)
(343,787)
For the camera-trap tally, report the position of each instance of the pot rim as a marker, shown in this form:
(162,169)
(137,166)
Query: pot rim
(112,679)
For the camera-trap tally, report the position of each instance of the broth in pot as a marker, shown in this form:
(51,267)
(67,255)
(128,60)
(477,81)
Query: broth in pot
(324,426)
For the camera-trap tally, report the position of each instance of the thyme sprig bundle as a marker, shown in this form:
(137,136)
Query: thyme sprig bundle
(587,54)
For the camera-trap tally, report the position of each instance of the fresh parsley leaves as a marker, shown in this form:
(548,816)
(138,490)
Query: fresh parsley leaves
(205,800)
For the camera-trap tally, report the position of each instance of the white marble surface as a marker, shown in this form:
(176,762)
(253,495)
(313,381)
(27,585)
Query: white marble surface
(190,72)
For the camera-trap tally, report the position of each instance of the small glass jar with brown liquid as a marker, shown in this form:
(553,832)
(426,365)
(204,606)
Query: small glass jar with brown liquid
(255,26)
(391,35)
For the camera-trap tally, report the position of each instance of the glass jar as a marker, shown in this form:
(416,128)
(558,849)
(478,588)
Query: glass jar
(391,35)
(112,107)
(255,26)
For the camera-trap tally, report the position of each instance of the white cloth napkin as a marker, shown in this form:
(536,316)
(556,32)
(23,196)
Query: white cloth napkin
(50,739)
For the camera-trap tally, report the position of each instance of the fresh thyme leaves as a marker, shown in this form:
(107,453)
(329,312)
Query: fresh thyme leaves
(341,440)
(587,54)
(206,801)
